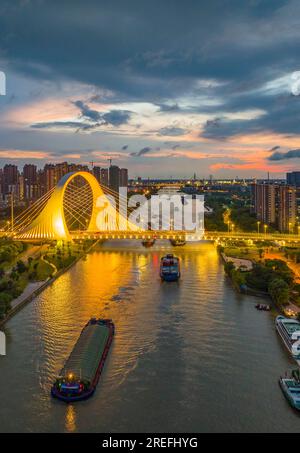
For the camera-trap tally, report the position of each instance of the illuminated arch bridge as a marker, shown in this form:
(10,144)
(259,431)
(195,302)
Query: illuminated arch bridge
(78,207)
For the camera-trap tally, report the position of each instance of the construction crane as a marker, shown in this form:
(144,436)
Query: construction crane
(92,163)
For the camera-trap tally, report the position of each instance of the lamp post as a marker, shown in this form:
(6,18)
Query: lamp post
(12,210)
(290,227)
(258,225)
(265,227)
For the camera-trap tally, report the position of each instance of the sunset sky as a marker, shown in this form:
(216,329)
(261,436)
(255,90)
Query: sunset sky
(161,87)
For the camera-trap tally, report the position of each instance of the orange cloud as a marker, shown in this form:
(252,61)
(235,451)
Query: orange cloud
(22,154)
(45,110)
(71,156)
(259,166)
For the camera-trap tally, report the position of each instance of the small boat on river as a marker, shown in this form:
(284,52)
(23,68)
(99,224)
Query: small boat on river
(177,242)
(263,307)
(291,388)
(169,268)
(289,331)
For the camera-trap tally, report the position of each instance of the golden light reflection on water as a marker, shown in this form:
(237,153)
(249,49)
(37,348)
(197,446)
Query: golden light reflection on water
(172,341)
(70,419)
(123,285)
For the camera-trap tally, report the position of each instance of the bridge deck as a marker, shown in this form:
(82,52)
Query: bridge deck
(191,235)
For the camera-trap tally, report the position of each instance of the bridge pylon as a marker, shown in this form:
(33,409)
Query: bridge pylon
(51,222)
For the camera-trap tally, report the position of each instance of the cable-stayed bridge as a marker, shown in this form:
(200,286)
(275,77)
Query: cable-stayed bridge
(79,208)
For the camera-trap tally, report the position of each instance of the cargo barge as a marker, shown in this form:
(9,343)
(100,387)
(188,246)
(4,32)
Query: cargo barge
(79,377)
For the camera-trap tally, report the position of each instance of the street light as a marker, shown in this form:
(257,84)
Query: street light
(258,225)
(265,227)
(232,227)
(290,229)
(228,224)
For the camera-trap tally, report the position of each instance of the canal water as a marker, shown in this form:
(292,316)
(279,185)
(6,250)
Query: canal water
(192,356)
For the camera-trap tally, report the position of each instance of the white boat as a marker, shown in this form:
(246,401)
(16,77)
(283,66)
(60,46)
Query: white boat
(291,389)
(286,327)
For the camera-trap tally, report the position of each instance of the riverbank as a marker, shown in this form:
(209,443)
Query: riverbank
(33,289)
(266,278)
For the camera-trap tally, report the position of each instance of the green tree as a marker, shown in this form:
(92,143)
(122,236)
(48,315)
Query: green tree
(5,300)
(279,291)
(21,267)
(229,267)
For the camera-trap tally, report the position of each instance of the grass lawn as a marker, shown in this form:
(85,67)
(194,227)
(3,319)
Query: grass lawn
(247,253)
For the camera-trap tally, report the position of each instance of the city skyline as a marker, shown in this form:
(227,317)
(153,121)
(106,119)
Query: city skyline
(208,92)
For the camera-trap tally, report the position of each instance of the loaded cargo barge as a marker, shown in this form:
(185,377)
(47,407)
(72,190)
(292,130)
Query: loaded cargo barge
(79,377)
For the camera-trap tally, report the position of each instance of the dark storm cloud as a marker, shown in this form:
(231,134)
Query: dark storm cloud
(124,147)
(281,116)
(144,151)
(158,51)
(92,119)
(53,124)
(292,154)
(87,112)
(115,46)
(77,125)
(168,108)
(114,117)
(172,131)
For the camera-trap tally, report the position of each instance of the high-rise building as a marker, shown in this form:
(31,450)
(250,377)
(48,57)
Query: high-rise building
(114,177)
(49,176)
(30,187)
(10,178)
(123,177)
(1,183)
(293,178)
(97,173)
(41,182)
(263,196)
(21,188)
(61,169)
(275,205)
(104,177)
(286,208)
